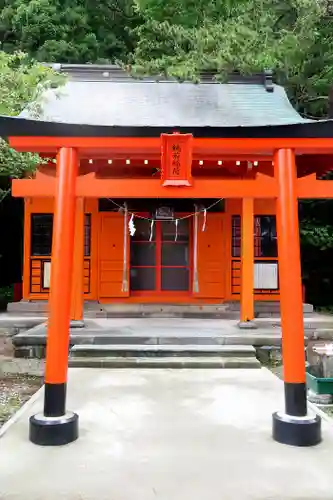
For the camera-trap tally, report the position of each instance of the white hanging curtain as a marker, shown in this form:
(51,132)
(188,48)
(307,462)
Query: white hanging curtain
(124,287)
(195,252)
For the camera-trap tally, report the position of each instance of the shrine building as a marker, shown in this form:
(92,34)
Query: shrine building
(187,242)
(156,191)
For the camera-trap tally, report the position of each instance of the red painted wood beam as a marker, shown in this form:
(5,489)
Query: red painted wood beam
(201,146)
(89,187)
(309,187)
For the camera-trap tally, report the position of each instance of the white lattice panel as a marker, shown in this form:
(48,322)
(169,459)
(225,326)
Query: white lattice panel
(46,274)
(266,276)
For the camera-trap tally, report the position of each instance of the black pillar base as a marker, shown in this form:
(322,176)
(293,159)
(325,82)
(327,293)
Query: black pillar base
(53,431)
(296,431)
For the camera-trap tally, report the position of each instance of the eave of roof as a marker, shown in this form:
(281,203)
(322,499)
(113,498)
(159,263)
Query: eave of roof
(105,101)
(21,127)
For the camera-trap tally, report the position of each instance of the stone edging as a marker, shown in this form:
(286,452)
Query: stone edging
(28,404)
(321,413)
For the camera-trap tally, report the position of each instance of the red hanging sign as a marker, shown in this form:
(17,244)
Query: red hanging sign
(176,160)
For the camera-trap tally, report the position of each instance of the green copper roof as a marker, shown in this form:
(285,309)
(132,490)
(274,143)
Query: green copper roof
(105,95)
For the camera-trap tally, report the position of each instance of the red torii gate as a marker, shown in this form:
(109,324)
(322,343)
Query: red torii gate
(284,144)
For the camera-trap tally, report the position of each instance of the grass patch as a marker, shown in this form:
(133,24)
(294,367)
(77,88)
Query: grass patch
(15,390)
(328,410)
(271,363)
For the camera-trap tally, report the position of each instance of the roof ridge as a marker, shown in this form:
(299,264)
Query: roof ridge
(102,72)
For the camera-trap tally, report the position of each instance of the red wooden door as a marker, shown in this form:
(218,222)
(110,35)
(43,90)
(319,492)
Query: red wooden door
(211,261)
(111,256)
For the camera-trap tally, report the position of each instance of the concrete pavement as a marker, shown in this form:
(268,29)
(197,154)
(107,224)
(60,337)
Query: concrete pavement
(168,435)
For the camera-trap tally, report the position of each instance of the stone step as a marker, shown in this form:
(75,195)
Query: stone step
(266,307)
(207,311)
(227,310)
(324,333)
(149,307)
(27,307)
(312,323)
(170,314)
(174,362)
(162,350)
(30,338)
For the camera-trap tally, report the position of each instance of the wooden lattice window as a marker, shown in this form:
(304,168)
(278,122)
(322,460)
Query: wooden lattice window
(236,236)
(41,234)
(265,237)
(87,235)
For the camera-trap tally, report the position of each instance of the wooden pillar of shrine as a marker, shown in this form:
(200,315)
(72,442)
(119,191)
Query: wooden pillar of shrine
(294,426)
(55,426)
(247,265)
(77,298)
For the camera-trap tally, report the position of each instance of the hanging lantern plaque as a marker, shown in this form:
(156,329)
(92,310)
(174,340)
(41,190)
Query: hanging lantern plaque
(164,213)
(176,159)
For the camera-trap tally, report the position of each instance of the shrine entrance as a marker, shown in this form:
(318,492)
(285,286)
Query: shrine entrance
(264,150)
(160,259)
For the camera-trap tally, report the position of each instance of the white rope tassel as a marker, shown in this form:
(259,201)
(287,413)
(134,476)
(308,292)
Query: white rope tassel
(176,233)
(131,226)
(195,254)
(204,221)
(152,222)
(124,287)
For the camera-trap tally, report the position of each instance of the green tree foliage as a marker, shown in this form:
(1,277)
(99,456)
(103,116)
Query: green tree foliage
(22,82)
(72,31)
(179,38)
(293,37)
(317,250)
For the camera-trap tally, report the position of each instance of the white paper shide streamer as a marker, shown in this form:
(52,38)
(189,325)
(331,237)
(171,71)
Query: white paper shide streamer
(131,226)
(176,230)
(204,220)
(152,222)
